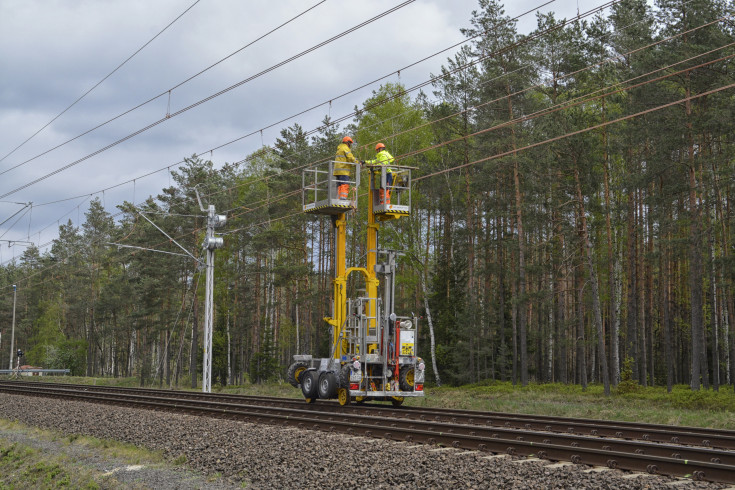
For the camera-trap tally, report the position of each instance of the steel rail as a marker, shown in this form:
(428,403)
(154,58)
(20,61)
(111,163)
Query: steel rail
(694,436)
(637,456)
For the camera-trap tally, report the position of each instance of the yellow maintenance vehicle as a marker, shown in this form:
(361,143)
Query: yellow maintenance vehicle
(373,350)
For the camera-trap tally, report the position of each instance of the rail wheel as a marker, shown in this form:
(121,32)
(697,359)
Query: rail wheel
(406,378)
(359,400)
(327,387)
(295,371)
(397,401)
(343,395)
(308,385)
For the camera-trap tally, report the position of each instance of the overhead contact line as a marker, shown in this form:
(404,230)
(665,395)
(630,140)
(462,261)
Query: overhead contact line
(167,92)
(544,112)
(567,104)
(207,99)
(276,123)
(95,86)
(507,153)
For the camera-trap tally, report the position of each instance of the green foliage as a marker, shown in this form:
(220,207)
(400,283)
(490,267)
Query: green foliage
(683,397)
(264,365)
(23,466)
(549,134)
(627,384)
(68,354)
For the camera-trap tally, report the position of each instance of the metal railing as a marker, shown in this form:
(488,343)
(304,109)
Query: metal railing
(319,185)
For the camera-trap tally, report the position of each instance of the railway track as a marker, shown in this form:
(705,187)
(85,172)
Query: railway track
(698,453)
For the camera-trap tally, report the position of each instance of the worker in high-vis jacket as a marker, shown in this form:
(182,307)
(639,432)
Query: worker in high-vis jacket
(342,169)
(382,157)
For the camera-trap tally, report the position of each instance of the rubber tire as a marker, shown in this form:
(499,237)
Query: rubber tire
(406,378)
(344,376)
(295,371)
(309,384)
(343,396)
(327,386)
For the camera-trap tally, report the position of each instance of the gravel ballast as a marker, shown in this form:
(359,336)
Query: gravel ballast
(263,456)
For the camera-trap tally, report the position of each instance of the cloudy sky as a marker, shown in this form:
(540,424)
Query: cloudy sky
(53,51)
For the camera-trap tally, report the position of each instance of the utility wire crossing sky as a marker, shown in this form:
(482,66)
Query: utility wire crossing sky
(70,67)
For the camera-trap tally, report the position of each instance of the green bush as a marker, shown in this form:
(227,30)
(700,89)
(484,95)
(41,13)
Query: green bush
(702,400)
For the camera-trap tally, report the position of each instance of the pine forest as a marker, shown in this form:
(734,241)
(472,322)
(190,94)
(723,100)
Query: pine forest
(571,222)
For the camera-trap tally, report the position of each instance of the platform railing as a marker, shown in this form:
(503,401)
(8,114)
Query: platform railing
(396,195)
(319,187)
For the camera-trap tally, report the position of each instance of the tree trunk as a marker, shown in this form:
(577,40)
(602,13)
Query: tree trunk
(431,330)
(611,266)
(522,334)
(592,271)
(641,337)
(632,306)
(581,363)
(501,301)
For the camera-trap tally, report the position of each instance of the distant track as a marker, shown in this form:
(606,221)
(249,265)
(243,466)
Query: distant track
(699,453)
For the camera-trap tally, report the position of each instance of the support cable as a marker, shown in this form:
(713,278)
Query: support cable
(688,69)
(25,211)
(315,130)
(475,162)
(206,99)
(169,237)
(624,55)
(98,83)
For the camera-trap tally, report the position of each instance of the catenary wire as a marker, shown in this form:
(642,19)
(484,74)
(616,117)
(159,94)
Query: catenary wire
(167,92)
(99,83)
(566,75)
(292,116)
(516,150)
(210,97)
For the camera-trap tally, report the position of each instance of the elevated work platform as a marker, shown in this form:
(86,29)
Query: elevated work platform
(391,188)
(320,188)
(373,350)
